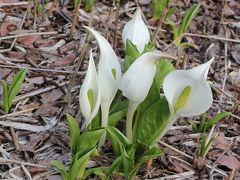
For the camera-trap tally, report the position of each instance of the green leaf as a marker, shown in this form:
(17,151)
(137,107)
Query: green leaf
(99,171)
(163,68)
(60,167)
(114,166)
(119,140)
(131,54)
(174,28)
(217,118)
(149,47)
(74,133)
(117,112)
(202,126)
(157,7)
(80,162)
(153,121)
(90,138)
(88,4)
(16,85)
(5,96)
(96,122)
(190,13)
(150,154)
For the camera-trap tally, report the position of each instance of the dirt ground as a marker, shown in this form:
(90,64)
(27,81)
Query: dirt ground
(56,55)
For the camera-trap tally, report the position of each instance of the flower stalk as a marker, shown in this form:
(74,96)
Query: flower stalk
(129,122)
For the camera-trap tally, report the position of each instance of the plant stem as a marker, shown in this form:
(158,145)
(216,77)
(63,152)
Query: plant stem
(129,122)
(171,120)
(104,122)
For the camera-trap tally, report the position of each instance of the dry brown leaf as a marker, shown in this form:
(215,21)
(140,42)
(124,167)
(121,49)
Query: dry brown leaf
(51,96)
(47,110)
(15,54)
(230,161)
(26,40)
(9,24)
(220,142)
(65,60)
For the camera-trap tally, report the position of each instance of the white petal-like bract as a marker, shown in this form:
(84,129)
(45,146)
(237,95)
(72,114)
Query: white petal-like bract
(136,31)
(199,98)
(90,87)
(137,80)
(109,69)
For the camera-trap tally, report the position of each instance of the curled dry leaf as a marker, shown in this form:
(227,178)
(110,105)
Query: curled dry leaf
(230,161)
(220,142)
(9,24)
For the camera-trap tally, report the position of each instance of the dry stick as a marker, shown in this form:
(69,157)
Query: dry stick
(38,91)
(18,112)
(160,22)
(28,34)
(116,27)
(44,70)
(75,16)
(14,138)
(79,64)
(11,161)
(35,13)
(190,157)
(28,12)
(13,4)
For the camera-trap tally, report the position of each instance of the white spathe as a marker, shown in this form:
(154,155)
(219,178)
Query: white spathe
(137,80)
(109,69)
(90,83)
(200,98)
(136,31)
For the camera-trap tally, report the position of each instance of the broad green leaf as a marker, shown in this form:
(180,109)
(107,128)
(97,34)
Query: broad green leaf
(131,54)
(114,166)
(88,4)
(117,112)
(189,15)
(149,47)
(80,162)
(15,85)
(96,122)
(90,138)
(217,118)
(74,133)
(153,121)
(119,140)
(158,7)
(5,97)
(60,167)
(150,153)
(163,68)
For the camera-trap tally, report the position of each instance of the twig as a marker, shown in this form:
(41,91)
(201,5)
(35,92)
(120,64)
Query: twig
(13,4)
(11,161)
(116,26)
(38,91)
(160,22)
(14,138)
(190,157)
(18,113)
(28,34)
(44,70)
(76,11)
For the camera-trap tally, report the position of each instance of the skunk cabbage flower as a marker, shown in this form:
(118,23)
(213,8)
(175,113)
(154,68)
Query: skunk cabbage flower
(109,76)
(137,81)
(136,31)
(188,92)
(90,96)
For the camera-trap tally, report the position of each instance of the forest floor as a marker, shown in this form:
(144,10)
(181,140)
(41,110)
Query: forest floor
(35,131)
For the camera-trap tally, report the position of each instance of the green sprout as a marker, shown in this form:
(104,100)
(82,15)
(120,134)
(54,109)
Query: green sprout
(11,90)
(178,31)
(158,7)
